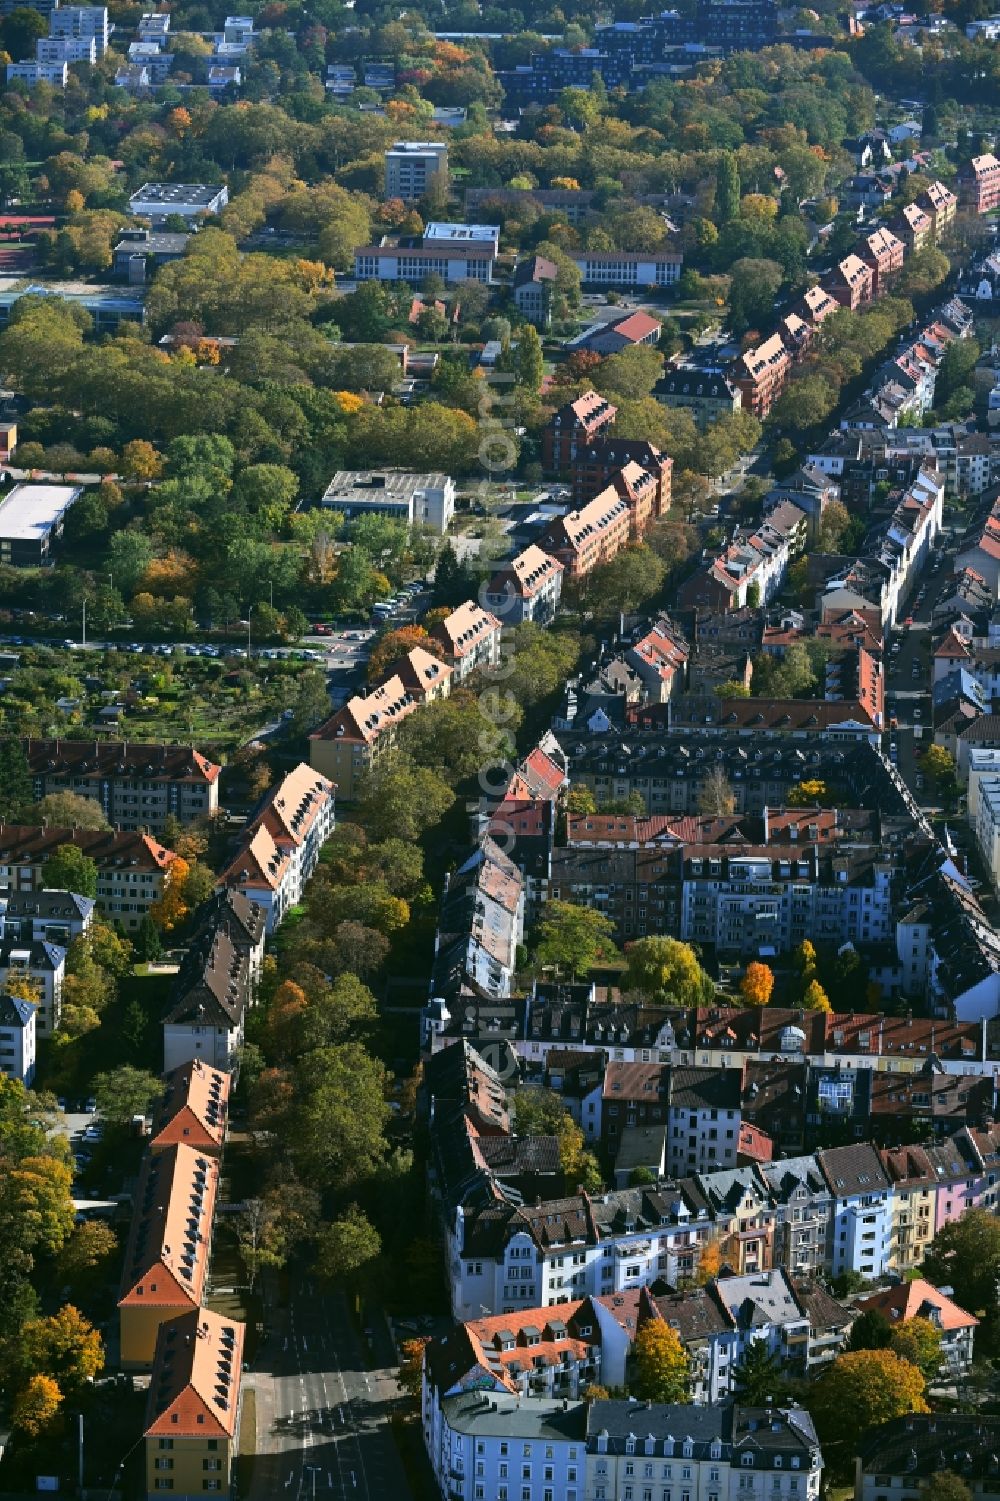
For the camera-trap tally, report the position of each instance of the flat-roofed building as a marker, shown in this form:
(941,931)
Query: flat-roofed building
(32,517)
(191,200)
(412,167)
(168,1250)
(194,1406)
(416,499)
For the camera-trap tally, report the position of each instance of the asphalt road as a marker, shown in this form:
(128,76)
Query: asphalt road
(322,1416)
(908,684)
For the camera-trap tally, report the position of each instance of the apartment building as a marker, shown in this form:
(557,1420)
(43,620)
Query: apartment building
(803,1215)
(722,1453)
(699,1109)
(862,1210)
(605,460)
(902,1458)
(33,73)
(89,22)
(412,168)
(919,1299)
(194,1109)
(850,283)
(137,786)
(594,534)
(168,1250)
(795,1318)
(979,184)
(942,205)
(760,375)
(470,637)
(659,657)
(752,565)
(192,1423)
(283,843)
(208,1001)
(573,428)
(815,305)
(707,392)
(132,868)
(18,1039)
(528,587)
(534,280)
(65,49)
(43,966)
(362,734)
(883,253)
(480,925)
(914,226)
(414,499)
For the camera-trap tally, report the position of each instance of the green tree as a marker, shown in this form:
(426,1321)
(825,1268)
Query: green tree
(88,1258)
(965,1255)
(69,810)
(757,1378)
(36,1205)
(919,1342)
(727,188)
(125,1092)
(338,1114)
(529,363)
(573,939)
(348,1247)
(69,869)
(668,969)
(753,288)
(20,30)
(660,1364)
(871,1330)
(404,800)
(16,786)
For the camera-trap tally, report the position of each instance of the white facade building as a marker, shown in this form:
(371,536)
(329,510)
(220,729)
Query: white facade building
(17,1039)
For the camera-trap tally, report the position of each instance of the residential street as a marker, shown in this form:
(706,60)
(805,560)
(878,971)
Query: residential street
(322,1417)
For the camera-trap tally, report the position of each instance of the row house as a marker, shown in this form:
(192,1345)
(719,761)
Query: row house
(816,305)
(362,734)
(210,995)
(796,333)
(528,587)
(583,539)
(851,283)
(495,1445)
(822,1215)
(137,786)
(949,949)
(801,1326)
(979,184)
(659,656)
(599,464)
(470,638)
(480,926)
(904,1456)
(282,844)
(699,1109)
(760,375)
(573,428)
(168,1249)
(883,253)
(132,868)
(191,1431)
(193,1110)
(753,564)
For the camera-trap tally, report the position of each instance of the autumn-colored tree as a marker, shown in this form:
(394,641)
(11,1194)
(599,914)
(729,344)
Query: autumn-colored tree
(661,1365)
(140,461)
(395,644)
(580,799)
(804,957)
(411,1367)
(36,1406)
(919,1342)
(87,1256)
(815,998)
(64,1346)
(716,796)
(862,1390)
(171,908)
(810,794)
(950,1487)
(669,969)
(709,1262)
(36,1198)
(174,573)
(284,1020)
(757,983)
(23,987)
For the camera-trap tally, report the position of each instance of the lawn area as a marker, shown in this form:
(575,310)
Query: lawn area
(248,1442)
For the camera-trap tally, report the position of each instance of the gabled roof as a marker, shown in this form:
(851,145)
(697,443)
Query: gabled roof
(194,1390)
(166,1258)
(194,1110)
(919,1299)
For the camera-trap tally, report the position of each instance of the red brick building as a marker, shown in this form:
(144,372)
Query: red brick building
(594,534)
(761,374)
(573,428)
(850,282)
(595,467)
(979,184)
(883,253)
